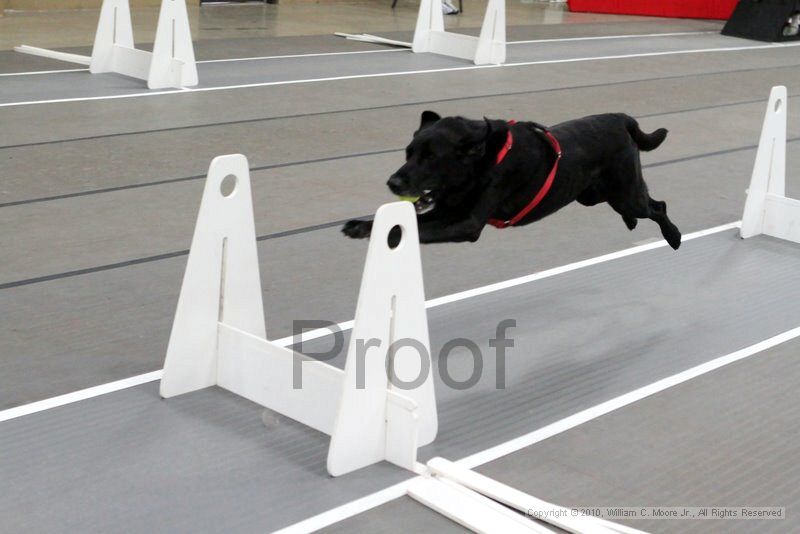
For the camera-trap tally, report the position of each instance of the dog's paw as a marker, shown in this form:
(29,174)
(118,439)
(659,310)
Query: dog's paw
(357,229)
(673,238)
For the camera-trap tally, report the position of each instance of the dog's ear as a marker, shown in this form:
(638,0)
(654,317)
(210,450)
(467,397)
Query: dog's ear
(473,146)
(496,134)
(428,118)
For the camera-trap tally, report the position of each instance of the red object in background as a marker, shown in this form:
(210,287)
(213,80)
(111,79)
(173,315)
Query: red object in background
(692,9)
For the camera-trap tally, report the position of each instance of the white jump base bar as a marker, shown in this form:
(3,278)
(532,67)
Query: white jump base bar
(369,38)
(170,64)
(482,504)
(54,54)
(768,210)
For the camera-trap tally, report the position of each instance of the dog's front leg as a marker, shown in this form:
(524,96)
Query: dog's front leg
(469,226)
(360,229)
(357,229)
(430,231)
(468,229)
(440,225)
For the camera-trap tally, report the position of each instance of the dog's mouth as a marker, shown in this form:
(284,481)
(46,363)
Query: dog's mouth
(425,203)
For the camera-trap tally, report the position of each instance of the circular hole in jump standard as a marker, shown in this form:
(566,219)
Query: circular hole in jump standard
(395,236)
(228,185)
(778,104)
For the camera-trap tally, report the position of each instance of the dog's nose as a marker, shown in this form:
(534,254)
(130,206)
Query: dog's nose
(396,184)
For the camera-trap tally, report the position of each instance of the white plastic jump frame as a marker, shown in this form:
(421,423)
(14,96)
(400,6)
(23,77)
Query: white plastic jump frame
(218,336)
(767,209)
(488,48)
(170,64)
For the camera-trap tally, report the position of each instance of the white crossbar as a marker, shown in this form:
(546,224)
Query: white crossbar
(453,44)
(130,61)
(218,336)
(527,504)
(782,217)
(263,372)
(767,209)
(470,509)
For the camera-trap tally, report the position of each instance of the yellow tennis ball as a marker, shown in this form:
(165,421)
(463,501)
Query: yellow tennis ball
(408,199)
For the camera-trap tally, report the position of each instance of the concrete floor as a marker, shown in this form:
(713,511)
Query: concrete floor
(98,200)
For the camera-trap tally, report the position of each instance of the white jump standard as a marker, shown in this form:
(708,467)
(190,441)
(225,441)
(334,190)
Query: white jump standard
(488,48)
(170,64)
(768,210)
(218,336)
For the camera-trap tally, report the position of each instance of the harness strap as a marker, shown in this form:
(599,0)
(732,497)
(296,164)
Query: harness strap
(548,183)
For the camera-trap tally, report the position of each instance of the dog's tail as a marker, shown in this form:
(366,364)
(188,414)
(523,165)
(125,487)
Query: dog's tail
(643,140)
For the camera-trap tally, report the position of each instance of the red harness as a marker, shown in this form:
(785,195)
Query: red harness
(548,183)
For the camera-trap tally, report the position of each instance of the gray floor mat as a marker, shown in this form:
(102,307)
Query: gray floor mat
(130,461)
(57,86)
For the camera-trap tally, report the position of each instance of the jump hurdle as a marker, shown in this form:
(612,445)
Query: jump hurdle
(767,209)
(488,48)
(219,336)
(170,64)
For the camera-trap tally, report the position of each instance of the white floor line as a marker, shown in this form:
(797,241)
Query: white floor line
(491,288)
(398,490)
(345,511)
(770,46)
(92,98)
(652,54)
(69,398)
(35,72)
(475,67)
(382,51)
(75,396)
(339,78)
(314,54)
(603,37)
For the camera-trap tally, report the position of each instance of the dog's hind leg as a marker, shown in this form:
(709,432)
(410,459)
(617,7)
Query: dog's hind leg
(595,194)
(598,192)
(658,213)
(630,198)
(655,210)
(629,220)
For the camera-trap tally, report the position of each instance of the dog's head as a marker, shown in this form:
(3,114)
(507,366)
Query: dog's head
(446,156)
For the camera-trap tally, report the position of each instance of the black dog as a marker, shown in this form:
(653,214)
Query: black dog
(468,173)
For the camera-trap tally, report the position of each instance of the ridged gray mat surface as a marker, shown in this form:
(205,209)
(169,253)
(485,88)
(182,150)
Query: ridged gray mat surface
(68,85)
(129,461)
(728,438)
